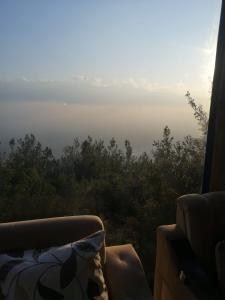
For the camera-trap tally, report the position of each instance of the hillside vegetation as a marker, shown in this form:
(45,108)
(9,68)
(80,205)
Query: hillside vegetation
(133,194)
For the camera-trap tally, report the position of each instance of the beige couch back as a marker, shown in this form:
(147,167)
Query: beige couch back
(43,233)
(202,219)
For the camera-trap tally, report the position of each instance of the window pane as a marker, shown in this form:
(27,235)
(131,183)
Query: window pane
(120,91)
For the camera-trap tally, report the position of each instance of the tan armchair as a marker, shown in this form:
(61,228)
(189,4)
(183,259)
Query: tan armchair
(190,260)
(123,270)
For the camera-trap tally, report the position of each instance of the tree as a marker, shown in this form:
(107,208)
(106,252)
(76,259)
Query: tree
(200,115)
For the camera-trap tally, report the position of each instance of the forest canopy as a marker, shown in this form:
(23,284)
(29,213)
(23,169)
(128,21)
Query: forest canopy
(133,194)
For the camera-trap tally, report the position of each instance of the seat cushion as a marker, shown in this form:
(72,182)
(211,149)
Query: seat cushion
(125,275)
(71,271)
(201,218)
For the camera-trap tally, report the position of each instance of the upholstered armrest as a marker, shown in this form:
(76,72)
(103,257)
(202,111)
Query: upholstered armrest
(124,274)
(168,285)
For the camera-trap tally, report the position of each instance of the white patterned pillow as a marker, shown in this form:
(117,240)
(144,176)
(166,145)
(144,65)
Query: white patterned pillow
(71,271)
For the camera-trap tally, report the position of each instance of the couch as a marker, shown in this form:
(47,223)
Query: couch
(190,259)
(123,270)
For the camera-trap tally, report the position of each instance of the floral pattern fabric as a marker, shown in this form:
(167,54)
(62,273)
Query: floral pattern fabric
(71,271)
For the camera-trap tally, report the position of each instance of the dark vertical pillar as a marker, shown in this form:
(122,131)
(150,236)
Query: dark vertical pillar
(214,169)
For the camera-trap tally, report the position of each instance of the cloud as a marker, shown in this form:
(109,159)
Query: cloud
(141,83)
(93,81)
(25,79)
(86,89)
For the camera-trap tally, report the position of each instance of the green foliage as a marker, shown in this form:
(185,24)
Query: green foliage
(133,194)
(199,113)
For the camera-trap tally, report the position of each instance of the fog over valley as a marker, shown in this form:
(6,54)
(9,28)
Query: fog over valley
(57,112)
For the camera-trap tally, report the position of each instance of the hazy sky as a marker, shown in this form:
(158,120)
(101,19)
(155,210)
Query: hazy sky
(104,67)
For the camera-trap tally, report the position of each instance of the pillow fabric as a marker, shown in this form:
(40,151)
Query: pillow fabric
(71,271)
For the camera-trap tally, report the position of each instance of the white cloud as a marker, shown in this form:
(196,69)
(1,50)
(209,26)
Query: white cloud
(25,79)
(86,89)
(137,83)
(91,80)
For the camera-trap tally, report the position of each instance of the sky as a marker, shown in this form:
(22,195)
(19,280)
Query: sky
(104,68)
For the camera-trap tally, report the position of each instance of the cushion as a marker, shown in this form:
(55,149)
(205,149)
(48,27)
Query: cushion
(125,274)
(201,218)
(71,271)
